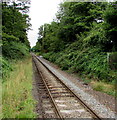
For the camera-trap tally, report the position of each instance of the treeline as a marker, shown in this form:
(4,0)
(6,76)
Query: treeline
(80,38)
(15,24)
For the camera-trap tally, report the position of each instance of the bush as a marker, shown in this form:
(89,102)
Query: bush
(89,61)
(15,50)
(112,60)
(6,67)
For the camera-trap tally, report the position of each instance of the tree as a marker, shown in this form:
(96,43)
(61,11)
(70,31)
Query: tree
(92,24)
(15,26)
(110,27)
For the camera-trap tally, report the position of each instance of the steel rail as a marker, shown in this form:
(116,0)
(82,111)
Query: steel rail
(94,114)
(54,104)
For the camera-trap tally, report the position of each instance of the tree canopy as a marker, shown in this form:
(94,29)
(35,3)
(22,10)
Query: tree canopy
(15,24)
(75,19)
(81,38)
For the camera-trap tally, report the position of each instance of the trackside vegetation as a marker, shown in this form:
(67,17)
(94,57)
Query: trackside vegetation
(16,96)
(17,101)
(15,24)
(82,39)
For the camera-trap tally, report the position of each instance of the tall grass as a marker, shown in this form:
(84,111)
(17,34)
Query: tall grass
(104,87)
(17,92)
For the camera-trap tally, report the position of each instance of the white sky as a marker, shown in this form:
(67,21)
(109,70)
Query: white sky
(41,11)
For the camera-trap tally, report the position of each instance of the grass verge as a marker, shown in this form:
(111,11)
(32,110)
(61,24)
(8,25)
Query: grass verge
(17,92)
(103,87)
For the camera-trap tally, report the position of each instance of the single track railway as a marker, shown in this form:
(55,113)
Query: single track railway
(62,100)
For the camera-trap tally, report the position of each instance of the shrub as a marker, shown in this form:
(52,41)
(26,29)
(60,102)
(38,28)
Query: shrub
(15,50)
(89,61)
(6,67)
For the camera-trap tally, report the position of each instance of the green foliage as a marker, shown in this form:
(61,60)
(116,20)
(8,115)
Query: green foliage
(90,62)
(15,24)
(17,102)
(73,20)
(112,60)
(6,67)
(15,50)
(110,26)
(8,38)
(80,39)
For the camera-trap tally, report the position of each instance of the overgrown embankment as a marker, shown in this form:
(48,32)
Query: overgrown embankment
(90,64)
(16,64)
(17,88)
(15,24)
(81,39)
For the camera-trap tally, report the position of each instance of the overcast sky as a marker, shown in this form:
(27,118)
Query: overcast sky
(41,11)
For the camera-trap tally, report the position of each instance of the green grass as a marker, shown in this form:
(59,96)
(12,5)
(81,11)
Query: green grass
(17,97)
(104,87)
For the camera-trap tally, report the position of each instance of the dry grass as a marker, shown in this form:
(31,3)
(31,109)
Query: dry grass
(104,87)
(17,92)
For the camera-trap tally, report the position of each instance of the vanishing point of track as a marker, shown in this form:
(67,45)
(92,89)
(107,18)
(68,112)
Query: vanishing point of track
(64,102)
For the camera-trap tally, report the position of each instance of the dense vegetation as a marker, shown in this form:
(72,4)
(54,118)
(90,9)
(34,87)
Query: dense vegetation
(81,38)
(17,100)
(15,24)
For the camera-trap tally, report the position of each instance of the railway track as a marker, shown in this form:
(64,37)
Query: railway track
(57,99)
